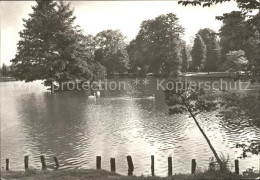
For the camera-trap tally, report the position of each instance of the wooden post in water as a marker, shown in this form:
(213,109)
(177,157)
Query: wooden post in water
(52,87)
(26,163)
(169,166)
(130,165)
(56,162)
(44,167)
(7,165)
(113,164)
(236,166)
(98,162)
(152,164)
(193,166)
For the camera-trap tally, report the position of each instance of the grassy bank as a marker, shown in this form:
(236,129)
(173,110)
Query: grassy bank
(103,175)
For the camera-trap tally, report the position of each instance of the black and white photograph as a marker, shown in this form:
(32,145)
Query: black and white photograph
(130,89)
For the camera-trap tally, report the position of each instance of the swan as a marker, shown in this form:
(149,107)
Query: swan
(151,97)
(92,96)
(98,93)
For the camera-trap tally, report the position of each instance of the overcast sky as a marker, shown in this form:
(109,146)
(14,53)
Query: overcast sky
(95,16)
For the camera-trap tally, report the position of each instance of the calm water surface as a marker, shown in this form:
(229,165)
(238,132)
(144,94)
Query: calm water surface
(76,129)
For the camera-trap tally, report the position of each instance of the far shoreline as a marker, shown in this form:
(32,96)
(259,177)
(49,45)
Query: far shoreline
(131,75)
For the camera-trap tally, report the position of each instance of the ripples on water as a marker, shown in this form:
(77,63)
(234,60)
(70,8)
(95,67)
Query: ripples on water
(75,129)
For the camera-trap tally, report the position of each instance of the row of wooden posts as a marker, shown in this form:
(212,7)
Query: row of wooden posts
(113,164)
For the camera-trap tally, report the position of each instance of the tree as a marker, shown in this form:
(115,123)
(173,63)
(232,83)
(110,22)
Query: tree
(137,57)
(5,70)
(198,53)
(12,69)
(89,47)
(233,27)
(185,62)
(158,45)
(51,47)
(181,97)
(212,48)
(112,51)
(236,61)
(235,36)
(120,61)
(244,5)
(252,53)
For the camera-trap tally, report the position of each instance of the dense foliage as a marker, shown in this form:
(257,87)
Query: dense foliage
(240,31)
(111,51)
(198,54)
(245,5)
(157,47)
(213,53)
(50,46)
(185,59)
(4,70)
(192,98)
(237,35)
(235,60)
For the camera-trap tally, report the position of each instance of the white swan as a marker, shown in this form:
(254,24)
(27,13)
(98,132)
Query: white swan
(92,96)
(151,97)
(98,93)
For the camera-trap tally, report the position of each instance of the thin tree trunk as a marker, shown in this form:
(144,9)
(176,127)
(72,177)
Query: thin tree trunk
(203,133)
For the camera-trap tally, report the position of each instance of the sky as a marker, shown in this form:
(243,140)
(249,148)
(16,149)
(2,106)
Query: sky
(95,16)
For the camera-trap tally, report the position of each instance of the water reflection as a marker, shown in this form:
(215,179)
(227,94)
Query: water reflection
(122,122)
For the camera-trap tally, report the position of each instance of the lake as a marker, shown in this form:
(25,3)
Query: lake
(125,121)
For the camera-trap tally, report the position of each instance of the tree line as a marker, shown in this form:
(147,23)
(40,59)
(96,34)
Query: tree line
(51,47)
(239,37)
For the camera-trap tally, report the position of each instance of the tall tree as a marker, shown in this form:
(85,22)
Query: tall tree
(198,53)
(89,47)
(236,61)
(185,60)
(212,47)
(137,58)
(232,27)
(158,44)
(252,52)
(112,51)
(5,70)
(236,35)
(51,47)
